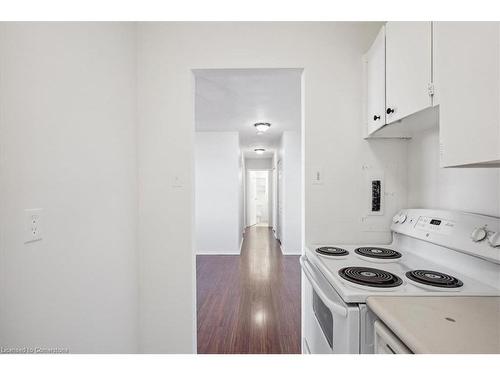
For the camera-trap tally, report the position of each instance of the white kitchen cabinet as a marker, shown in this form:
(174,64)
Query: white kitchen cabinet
(467,85)
(398,74)
(408,68)
(375,83)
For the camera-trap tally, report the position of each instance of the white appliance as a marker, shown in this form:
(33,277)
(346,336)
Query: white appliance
(433,253)
(386,342)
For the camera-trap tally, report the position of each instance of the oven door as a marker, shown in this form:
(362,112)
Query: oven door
(330,325)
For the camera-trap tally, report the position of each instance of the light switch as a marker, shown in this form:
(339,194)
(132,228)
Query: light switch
(33,225)
(317,176)
(177,181)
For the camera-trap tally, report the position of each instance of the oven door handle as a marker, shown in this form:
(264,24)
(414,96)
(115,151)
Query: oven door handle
(332,305)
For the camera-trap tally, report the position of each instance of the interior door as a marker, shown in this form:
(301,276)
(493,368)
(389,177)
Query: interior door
(251,198)
(279,191)
(375,83)
(257,197)
(408,68)
(261,197)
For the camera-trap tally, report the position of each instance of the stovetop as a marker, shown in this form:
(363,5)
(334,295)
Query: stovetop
(370,277)
(392,272)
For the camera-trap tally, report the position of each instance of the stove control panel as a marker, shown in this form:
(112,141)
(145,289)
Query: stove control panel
(433,224)
(478,234)
(473,234)
(399,218)
(494,239)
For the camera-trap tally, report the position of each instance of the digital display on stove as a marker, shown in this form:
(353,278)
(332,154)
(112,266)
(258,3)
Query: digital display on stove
(435,222)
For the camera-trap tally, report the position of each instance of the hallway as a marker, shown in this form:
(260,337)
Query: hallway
(249,303)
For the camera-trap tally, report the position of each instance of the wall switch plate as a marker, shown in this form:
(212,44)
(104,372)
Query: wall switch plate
(177,181)
(317,176)
(33,225)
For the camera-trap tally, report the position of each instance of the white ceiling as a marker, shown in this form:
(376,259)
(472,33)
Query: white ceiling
(235,99)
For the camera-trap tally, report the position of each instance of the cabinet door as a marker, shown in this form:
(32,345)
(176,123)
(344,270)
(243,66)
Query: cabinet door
(386,342)
(408,68)
(375,83)
(467,73)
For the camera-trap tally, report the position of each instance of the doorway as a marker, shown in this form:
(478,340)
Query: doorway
(258,198)
(248,199)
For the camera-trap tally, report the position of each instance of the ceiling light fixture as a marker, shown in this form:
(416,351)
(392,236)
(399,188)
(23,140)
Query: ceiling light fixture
(262,126)
(260,151)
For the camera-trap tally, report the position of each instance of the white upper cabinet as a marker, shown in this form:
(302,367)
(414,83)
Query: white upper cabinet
(398,75)
(375,83)
(445,73)
(467,85)
(408,68)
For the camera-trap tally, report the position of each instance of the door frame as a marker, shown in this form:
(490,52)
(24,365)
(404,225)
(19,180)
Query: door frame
(269,194)
(193,199)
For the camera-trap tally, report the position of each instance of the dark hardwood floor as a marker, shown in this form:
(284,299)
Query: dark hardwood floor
(249,303)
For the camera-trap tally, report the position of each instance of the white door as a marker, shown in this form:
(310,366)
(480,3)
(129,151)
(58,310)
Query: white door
(251,197)
(375,83)
(408,68)
(279,192)
(261,197)
(257,198)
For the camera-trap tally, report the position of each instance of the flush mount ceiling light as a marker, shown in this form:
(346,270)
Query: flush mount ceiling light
(260,151)
(262,126)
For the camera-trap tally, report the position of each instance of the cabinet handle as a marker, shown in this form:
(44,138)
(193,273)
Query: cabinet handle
(390,110)
(375,118)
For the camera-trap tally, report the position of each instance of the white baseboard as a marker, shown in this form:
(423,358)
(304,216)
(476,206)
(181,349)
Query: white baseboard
(217,253)
(291,253)
(284,252)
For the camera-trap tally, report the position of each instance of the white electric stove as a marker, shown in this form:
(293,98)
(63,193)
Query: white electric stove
(433,253)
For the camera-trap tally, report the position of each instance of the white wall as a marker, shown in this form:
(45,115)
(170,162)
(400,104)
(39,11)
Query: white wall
(256,163)
(465,189)
(291,240)
(217,192)
(67,145)
(330,54)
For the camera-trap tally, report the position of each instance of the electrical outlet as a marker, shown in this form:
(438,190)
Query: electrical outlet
(33,225)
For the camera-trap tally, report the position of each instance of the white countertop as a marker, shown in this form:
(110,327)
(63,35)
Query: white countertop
(442,324)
